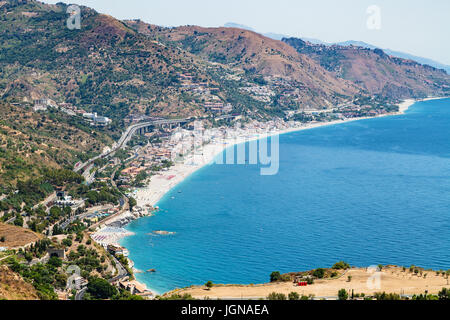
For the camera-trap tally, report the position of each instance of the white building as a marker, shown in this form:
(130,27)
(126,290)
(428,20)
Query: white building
(96,119)
(43,104)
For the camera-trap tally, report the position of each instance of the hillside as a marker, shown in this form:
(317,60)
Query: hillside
(257,55)
(31,142)
(104,67)
(14,236)
(13,287)
(113,69)
(376,71)
(397,54)
(118,68)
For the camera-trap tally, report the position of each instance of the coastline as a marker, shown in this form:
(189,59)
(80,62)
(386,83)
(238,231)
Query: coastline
(163,183)
(160,185)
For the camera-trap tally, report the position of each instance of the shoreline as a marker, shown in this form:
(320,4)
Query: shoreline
(160,185)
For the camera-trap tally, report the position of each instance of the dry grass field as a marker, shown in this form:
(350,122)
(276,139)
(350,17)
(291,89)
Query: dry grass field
(392,280)
(13,287)
(15,236)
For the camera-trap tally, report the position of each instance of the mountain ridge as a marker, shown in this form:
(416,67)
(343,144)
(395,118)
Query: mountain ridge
(396,53)
(376,71)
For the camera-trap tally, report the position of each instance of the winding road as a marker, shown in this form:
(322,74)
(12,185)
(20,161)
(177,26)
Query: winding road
(126,137)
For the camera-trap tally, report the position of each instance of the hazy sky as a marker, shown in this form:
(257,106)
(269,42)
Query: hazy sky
(420,27)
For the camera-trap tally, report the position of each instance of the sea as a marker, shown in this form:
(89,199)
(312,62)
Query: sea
(368,192)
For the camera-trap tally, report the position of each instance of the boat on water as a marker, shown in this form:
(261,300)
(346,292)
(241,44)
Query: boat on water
(163,233)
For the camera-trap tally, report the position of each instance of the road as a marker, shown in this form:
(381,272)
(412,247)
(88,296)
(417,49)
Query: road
(126,137)
(80,217)
(80,294)
(44,203)
(4,258)
(50,198)
(88,175)
(122,272)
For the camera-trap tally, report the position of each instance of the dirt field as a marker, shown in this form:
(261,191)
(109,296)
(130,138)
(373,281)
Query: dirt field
(16,236)
(392,280)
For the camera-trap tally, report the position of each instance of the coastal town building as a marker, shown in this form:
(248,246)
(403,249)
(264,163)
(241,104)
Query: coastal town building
(117,250)
(136,288)
(218,107)
(43,104)
(56,252)
(78,283)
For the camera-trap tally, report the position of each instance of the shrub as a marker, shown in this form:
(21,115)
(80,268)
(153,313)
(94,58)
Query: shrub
(386,296)
(342,294)
(294,296)
(100,288)
(286,278)
(341,265)
(55,262)
(275,276)
(444,294)
(67,242)
(276,296)
(209,285)
(319,273)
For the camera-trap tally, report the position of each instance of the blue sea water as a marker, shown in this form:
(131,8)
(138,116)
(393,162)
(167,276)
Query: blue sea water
(368,192)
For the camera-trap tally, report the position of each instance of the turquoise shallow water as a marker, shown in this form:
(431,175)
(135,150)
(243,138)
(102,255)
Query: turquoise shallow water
(367,192)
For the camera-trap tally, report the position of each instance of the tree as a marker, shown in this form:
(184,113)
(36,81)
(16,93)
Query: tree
(67,242)
(132,202)
(444,294)
(209,285)
(55,213)
(275,276)
(55,262)
(19,221)
(386,296)
(294,296)
(100,288)
(276,296)
(342,294)
(341,265)
(319,273)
